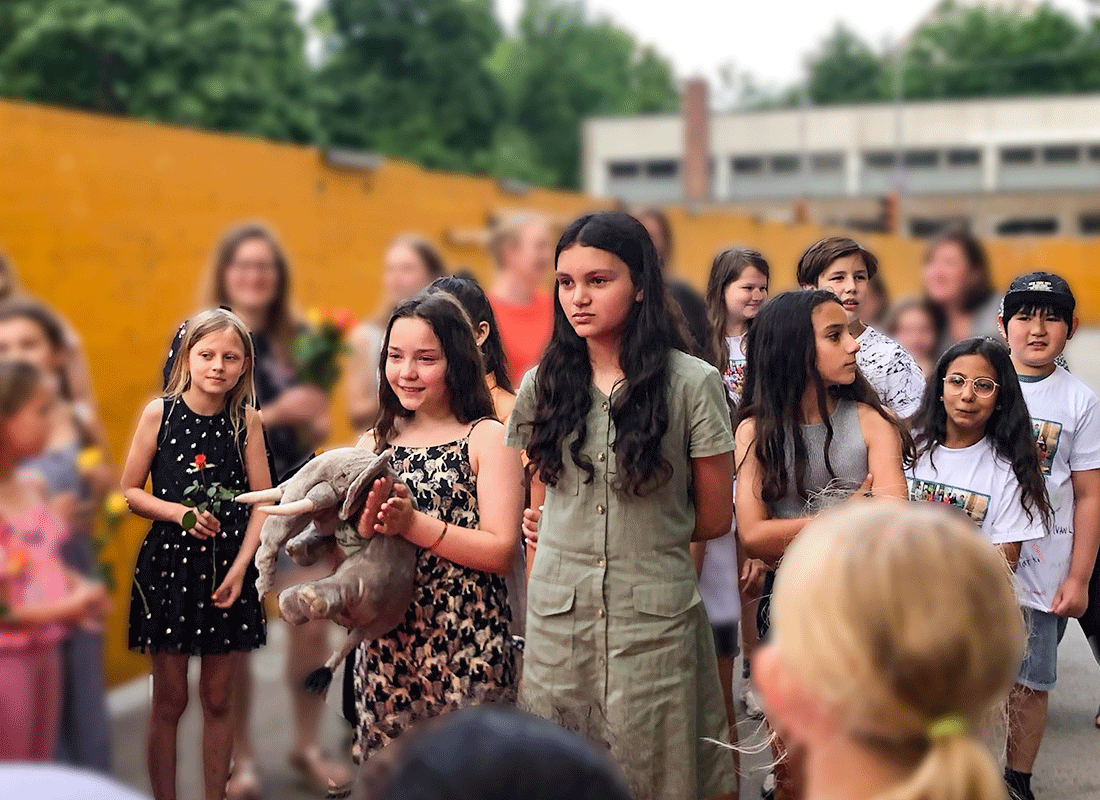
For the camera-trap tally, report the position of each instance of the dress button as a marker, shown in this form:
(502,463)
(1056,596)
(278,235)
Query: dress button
(599,612)
(599,509)
(599,456)
(601,563)
(604,405)
(602,661)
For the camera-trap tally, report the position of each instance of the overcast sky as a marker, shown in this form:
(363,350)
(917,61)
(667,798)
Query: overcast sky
(767,38)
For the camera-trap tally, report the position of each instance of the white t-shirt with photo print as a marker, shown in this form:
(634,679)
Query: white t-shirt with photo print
(1065,418)
(977,481)
(892,372)
(734,373)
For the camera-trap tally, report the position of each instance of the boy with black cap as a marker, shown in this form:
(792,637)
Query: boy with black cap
(1037,318)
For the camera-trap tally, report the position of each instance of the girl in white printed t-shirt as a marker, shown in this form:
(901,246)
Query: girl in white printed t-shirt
(975,450)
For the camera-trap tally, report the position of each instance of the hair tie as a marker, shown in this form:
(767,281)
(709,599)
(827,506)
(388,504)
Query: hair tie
(947,726)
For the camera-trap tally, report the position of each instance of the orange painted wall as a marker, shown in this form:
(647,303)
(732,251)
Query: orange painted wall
(112,222)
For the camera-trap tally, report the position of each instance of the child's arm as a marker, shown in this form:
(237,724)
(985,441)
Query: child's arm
(713,484)
(138,463)
(1073,595)
(762,537)
(500,504)
(1011,552)
(259,478)
(73,607)
(884,459)
(531,516)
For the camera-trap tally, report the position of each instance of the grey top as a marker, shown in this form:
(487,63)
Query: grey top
(847,454)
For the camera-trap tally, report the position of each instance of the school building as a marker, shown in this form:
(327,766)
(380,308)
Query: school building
(1005,167)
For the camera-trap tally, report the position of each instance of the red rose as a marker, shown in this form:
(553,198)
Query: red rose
(344,319)
(200,461)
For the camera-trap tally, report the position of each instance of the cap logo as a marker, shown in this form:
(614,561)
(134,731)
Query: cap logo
(1040,286)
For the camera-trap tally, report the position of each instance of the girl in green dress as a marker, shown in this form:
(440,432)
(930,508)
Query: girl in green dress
(631,439)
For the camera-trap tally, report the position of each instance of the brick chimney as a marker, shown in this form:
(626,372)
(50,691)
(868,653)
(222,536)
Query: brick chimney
(696,166)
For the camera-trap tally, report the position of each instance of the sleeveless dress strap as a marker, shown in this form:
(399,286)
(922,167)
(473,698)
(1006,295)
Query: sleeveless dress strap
(478,421)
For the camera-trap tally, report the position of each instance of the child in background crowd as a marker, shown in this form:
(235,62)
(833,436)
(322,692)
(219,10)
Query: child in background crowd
(975,449)
(194,587)
(917,325)
(895,635)
(730,583)
(1037,318)
(30,332)
(631,439)
(38,595)
(843,267)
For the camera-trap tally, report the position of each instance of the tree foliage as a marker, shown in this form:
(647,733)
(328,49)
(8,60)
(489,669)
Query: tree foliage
(845,70)
(235,65)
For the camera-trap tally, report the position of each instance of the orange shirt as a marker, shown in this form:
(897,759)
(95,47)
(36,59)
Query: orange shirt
(525,332)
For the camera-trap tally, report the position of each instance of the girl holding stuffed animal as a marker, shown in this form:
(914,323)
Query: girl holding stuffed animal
(454,647)
(38,595)
(194,584)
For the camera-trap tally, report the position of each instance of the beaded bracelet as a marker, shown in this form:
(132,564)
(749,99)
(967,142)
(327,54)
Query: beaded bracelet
(435,544)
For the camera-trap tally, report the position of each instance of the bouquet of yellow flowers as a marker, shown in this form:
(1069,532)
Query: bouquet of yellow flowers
(317,350)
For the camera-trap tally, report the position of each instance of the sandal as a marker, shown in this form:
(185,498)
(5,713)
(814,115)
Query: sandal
(244,782)
(320,771)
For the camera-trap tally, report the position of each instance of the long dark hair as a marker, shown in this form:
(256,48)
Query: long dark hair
(563,383)
(727,267)
(780,366)
(1008,427)
(465,377)
(51,327)
(473,299)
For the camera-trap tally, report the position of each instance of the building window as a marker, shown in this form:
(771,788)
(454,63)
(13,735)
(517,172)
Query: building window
(1062,154)
(922,159)
(785,165)
(964,158)
(748,165)
(828,162)
(926,228)
(662,168)
(623,170)
(1094,152)
(1024,226)
(1090,223)
(1017,156)
(881,159)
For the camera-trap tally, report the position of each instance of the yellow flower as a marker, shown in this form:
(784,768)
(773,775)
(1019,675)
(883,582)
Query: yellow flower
(89,459)
(314,317)
(116,504)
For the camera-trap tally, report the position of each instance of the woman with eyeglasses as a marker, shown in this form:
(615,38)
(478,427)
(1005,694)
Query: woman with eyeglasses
(975,448)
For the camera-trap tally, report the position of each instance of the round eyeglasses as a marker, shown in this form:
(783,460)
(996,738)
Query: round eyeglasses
(983,387)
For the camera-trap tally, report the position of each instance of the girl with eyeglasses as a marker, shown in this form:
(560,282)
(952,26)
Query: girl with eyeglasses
(975,448)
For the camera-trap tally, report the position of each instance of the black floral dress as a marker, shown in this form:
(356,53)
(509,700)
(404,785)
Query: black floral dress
(454,647)
(171,610)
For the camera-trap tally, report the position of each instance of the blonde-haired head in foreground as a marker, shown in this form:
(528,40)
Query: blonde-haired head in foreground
(895,636)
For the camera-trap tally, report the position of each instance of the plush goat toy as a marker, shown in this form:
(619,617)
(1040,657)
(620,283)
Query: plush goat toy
(370,591)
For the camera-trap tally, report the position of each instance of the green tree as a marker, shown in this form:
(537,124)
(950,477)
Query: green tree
(410,79)
(978,51)
(845,70)
(236,65)
(563,68)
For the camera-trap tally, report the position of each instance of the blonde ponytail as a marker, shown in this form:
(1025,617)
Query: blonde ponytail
(923,639)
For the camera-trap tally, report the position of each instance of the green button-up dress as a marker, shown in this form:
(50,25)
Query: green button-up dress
(618,643)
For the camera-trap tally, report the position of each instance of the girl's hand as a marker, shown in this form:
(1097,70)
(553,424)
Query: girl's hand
(865,490)
(206,524)
(752,576)
(226,594)
(531,517)
(396,515)
(373,507)
(1072,598)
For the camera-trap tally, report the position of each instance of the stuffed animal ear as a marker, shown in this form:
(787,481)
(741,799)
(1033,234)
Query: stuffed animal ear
(357,492)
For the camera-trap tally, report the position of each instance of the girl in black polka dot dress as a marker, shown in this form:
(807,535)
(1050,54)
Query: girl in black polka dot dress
(194,583)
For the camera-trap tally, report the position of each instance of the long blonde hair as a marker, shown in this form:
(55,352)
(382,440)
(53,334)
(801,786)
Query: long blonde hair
(901,615)
(281,322)
(240,396)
